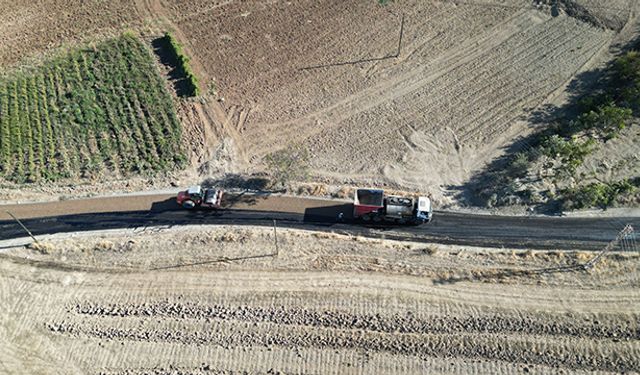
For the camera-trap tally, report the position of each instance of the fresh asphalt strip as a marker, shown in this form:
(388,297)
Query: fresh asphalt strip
(542,233)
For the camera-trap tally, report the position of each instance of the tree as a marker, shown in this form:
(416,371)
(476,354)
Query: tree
(287,165)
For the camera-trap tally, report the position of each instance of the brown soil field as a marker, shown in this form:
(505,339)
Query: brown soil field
(424,115)
(468,77)
(31,29)
(216,300)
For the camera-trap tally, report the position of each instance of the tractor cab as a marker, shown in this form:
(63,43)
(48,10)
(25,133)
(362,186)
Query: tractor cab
(195,192)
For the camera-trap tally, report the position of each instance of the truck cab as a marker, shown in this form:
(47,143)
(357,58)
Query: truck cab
(423,209)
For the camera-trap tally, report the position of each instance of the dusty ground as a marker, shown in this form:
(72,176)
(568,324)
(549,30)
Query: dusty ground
(216,300)
(31,29)
(468,79)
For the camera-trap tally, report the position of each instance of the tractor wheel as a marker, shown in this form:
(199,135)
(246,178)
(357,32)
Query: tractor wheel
(188,204)
(366,218)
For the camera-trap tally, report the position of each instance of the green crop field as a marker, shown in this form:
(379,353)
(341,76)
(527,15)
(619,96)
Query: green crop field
(98,110)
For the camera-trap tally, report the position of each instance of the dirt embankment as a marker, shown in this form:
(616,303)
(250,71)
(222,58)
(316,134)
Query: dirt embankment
(219,300)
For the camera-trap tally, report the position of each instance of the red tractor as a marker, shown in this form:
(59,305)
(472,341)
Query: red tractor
(195,197)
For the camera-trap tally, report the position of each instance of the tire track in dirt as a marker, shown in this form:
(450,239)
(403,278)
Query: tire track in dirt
(459,89)
(387,90)
(514,89)
(445,67)
(317,322)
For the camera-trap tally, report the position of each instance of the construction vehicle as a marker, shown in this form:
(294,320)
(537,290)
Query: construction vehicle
(197,197)
(373,205)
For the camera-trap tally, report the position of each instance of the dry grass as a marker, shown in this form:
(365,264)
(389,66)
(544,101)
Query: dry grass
(327,235)
(583,256)
(314,190)
(429,250)
(344,193)
(104,245)
(42,247)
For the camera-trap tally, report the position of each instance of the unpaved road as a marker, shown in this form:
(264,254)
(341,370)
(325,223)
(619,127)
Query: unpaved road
(318,214)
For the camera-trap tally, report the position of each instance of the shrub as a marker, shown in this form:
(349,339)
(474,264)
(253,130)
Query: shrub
(626,81)
(627,67)
(569,151)
(606,121)
(519,165)
(184,66)
(596,194)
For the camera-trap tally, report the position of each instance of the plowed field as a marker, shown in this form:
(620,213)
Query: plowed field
(217,301)
(419,95)
(466,80)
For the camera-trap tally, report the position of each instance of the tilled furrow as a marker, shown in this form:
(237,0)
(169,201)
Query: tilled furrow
(178,370)
(568,354)
(626,328)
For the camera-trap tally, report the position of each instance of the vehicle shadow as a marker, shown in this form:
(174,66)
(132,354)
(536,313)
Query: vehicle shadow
(233,200)
(329,214)
(169,204)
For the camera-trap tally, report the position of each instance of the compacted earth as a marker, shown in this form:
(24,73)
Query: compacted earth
(225,300)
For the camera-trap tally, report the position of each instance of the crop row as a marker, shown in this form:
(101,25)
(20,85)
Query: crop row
(102,109)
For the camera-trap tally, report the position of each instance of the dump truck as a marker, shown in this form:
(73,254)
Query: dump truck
(373,205)
(197,197)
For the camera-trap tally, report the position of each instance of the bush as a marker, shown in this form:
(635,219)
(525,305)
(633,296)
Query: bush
(627,79)
(519,165)
(570,152)
(183,64)
(596,194)
(627,67)
(606,121)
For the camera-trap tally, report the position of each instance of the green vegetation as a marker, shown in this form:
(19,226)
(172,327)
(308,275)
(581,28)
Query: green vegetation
(102,108)
(598,194)
(605,121)
(601,117)
(287,165)
(570,152)
(184,66)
